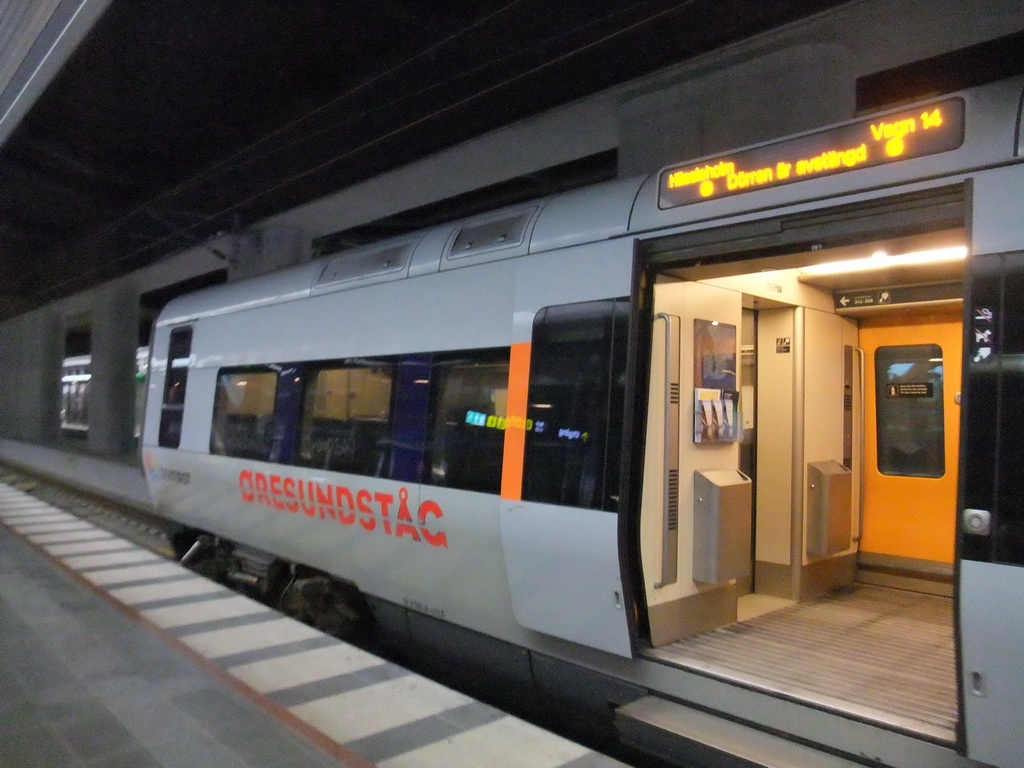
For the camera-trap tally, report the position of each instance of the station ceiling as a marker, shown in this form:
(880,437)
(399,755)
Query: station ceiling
(173,120)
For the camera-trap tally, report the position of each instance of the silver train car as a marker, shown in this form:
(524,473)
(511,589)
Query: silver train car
(735,446)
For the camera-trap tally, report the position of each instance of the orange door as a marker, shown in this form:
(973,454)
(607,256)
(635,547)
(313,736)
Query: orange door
(912,434)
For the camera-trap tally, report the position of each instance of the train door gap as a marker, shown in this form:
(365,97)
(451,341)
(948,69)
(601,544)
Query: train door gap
(805,485)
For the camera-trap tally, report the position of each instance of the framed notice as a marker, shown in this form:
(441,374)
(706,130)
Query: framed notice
(715,399)
(714,355)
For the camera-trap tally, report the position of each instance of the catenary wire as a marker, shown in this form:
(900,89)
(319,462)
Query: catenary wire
(54,287)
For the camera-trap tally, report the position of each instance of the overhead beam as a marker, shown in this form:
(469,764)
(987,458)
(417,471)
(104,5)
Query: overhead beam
(40,40)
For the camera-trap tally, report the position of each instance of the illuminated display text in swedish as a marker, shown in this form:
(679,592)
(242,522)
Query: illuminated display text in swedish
(926,130)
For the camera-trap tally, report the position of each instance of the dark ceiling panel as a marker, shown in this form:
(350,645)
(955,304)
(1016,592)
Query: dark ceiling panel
(176,119)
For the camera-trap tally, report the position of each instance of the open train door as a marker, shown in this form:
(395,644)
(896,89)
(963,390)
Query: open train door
(991,542)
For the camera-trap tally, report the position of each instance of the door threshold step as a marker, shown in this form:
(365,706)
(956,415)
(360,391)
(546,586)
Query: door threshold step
(687,736)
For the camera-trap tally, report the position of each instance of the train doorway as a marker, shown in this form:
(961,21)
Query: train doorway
(797,520)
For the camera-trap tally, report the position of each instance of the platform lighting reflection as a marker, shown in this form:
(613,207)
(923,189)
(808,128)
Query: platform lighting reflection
(880,259)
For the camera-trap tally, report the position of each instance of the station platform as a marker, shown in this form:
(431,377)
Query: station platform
(113,657)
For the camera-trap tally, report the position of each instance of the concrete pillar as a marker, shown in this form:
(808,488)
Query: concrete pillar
(115,336)
(784,92)
(31,350)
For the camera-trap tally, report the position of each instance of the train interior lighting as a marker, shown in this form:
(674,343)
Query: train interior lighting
(880,259)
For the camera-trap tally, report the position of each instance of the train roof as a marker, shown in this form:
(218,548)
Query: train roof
(579,216)
(621,207)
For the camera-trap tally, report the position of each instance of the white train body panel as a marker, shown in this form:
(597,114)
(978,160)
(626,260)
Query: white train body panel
(544,576)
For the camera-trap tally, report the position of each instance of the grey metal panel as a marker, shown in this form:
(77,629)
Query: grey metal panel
(563,573)
(273,288)
(722,517)
(364,266)
(585,215)
(989,139)
(996,200)
(498,235)
(670,457)
(506,232)
(992,647)
(581,273)
(682,733)
(391,318)
(477,652)
(879,654)
(426,257)
(829,508)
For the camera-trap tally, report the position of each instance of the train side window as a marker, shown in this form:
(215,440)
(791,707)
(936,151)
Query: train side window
(576,399)
(910,426)
(172,409)
(346,417)
(466,431)
(243,413)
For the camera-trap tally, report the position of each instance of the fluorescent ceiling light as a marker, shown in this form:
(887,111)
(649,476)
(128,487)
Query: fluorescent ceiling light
(880,260)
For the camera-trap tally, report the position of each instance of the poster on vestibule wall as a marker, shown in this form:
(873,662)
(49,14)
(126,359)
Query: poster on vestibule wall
(716,416)
(715,396)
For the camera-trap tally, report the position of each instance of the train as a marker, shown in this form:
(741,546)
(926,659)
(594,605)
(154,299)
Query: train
(729,451)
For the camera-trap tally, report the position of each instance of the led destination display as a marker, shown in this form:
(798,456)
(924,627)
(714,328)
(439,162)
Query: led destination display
(925,130)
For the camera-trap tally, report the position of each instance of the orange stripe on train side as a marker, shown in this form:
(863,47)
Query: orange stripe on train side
(515,422)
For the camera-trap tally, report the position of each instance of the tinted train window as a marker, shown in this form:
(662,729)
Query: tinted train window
(243,414)
(576,398)
(910,428)
(466,437)
(172,410)
(346,417)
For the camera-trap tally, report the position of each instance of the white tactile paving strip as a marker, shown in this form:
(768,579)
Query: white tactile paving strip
(371,707)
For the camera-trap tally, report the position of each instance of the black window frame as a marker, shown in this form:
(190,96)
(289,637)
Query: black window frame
(404,446)
(910,430)
(463,436)
(575,428)
(172,404)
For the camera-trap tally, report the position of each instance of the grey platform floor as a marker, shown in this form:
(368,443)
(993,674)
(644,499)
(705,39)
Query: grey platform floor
(82,685)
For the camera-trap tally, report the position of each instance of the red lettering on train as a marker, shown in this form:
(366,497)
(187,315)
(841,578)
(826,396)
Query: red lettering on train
(405,526)
(376,511)
(434,539)
(289,492)
(369,522)
(246,484)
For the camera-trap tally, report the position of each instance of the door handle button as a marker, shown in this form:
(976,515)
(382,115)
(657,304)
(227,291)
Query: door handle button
(977,522)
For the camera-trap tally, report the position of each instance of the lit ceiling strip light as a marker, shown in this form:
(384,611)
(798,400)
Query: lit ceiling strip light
(881,259)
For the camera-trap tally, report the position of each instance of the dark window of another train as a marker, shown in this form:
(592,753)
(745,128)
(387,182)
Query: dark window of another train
(243,413)
(575,407)
(466,426)
(172,409)
(346,417)
(910,426)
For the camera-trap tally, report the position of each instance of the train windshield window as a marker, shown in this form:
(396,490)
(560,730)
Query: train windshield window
(179,352)
(577,385)
(908,388)
(243,413)
(466,439)
(346,417)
